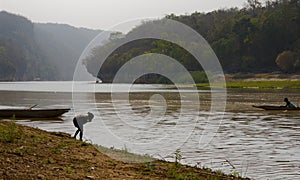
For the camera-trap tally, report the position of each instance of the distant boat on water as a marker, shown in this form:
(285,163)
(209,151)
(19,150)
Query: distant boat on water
(277,108)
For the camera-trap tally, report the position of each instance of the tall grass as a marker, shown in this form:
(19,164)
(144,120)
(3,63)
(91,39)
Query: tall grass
(285,84)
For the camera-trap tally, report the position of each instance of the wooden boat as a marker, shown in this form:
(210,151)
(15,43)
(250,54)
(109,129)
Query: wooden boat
(278,108)
(33,112)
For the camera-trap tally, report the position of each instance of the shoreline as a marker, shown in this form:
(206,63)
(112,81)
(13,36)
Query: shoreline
(258,81)
(31,153)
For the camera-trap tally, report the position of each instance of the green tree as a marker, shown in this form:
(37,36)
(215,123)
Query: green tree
(245,40)
(286,61)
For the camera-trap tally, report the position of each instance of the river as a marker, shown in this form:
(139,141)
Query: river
(254,143)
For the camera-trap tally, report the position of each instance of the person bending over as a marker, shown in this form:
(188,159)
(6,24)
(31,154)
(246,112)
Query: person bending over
(79,121)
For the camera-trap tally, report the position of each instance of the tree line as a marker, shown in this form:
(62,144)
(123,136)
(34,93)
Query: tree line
(257,38)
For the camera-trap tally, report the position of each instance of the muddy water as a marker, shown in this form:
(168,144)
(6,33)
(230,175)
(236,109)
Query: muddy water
(252,142)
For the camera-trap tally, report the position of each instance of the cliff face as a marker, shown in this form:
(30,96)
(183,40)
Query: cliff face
(62,45)
(30,51)
(20,57)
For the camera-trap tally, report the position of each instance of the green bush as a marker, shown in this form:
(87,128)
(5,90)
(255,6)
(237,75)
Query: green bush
(9,132)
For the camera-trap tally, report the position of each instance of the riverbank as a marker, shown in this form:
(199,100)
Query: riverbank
(257,84)
(259,81)
(30,153)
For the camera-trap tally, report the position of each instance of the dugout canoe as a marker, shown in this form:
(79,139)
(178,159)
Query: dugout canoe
(278,108)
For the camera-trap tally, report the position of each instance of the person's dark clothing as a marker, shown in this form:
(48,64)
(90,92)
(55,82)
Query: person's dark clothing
(288,103)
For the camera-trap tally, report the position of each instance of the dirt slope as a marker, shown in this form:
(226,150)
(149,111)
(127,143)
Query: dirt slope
(29,153)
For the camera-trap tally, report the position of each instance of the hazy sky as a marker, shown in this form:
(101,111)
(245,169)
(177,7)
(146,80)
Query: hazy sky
(104,14)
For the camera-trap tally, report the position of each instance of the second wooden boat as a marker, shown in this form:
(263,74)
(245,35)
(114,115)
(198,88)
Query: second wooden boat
(277,108)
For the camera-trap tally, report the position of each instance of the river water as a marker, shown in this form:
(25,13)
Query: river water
(255,143)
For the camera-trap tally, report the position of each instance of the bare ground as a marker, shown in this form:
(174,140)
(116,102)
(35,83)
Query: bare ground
(29,153)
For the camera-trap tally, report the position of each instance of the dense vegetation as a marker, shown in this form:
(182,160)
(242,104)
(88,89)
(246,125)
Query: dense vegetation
(250,39)
(31,51)
(257,38)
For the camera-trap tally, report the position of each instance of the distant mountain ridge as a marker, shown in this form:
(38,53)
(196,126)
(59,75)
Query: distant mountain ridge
(62,44)
(38,51)
(20,57)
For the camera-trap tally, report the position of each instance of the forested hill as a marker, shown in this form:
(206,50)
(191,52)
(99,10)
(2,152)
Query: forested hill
(20,57)
(257,38)
(30,51)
